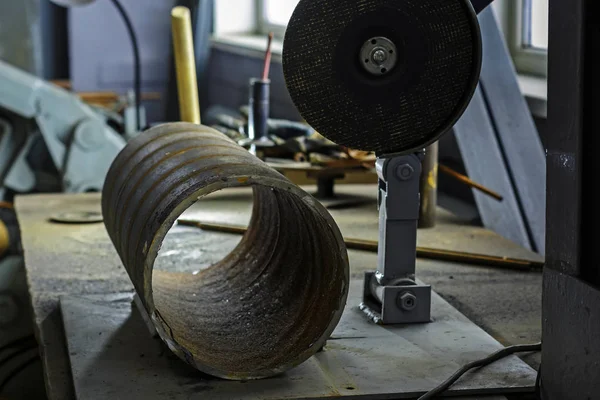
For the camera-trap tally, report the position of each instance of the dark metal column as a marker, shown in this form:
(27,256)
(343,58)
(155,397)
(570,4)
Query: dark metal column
(571,301)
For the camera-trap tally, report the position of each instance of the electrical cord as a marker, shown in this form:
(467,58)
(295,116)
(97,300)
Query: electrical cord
(22,346)
(17,371)
(137,73)
(500,354)
(17,342)
(15,354)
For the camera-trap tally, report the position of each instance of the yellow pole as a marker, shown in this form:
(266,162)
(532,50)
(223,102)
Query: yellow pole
(185,65)
(4,238)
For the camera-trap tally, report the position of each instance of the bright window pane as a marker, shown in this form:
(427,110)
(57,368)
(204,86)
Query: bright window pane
(538,24)
(279,12)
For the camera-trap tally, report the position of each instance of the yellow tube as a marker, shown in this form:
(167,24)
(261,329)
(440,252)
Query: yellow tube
(4,238)
(185,65)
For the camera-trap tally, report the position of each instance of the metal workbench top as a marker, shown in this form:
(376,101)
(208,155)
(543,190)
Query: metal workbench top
(79,260)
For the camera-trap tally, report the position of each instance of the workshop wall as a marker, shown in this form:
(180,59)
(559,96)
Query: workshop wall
(101,57)
(231,67)
(229,73)
(55,40)
(33,37)
(20,39)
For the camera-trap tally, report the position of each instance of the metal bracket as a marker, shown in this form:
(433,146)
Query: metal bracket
(90,154)
(391,295)
(408,302)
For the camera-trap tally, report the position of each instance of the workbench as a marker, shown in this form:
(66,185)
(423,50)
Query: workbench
(78,260)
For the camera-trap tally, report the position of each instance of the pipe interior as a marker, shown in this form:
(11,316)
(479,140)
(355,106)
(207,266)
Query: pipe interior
(263,306)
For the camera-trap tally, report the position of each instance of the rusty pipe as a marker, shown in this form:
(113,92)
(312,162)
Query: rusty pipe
(266,307)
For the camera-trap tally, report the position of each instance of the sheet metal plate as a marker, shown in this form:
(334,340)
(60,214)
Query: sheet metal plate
(112,355)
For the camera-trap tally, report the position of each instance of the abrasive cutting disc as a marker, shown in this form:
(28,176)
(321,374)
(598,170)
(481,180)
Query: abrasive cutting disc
(388,76)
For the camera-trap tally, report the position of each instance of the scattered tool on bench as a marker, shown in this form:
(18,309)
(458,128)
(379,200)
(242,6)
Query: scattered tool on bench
(422,252)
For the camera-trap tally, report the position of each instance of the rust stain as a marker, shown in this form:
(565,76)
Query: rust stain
(243,179)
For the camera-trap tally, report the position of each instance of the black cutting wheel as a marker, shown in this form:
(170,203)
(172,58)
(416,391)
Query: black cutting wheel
(389,76)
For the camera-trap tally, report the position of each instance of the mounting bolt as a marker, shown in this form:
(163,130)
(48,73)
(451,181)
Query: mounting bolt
(405,172)
(379,56)
(407,301)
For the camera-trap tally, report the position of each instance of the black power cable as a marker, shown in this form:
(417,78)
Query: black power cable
(22,346)
(137,74)
(500,354)
(16,354)
(18,370)
(17,342)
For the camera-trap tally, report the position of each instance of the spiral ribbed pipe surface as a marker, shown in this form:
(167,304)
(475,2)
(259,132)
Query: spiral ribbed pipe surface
(266,307)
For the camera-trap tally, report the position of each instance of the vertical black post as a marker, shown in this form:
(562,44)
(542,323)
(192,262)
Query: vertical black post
(571,300)
(590,270)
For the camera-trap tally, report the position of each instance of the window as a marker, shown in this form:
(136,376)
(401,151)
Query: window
(528,38)
(275,14)
(525,23)
(535,35)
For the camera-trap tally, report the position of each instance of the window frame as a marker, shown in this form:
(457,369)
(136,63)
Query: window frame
(263,25)
(527,60)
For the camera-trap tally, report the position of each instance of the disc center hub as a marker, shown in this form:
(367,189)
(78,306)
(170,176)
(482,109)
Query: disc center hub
(378,55)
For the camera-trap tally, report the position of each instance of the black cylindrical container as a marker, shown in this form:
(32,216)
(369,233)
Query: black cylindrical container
(259,108)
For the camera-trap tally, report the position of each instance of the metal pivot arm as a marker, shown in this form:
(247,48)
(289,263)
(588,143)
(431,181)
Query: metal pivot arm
(391,294)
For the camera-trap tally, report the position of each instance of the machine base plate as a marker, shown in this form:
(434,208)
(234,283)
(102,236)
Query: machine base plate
(113,355)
